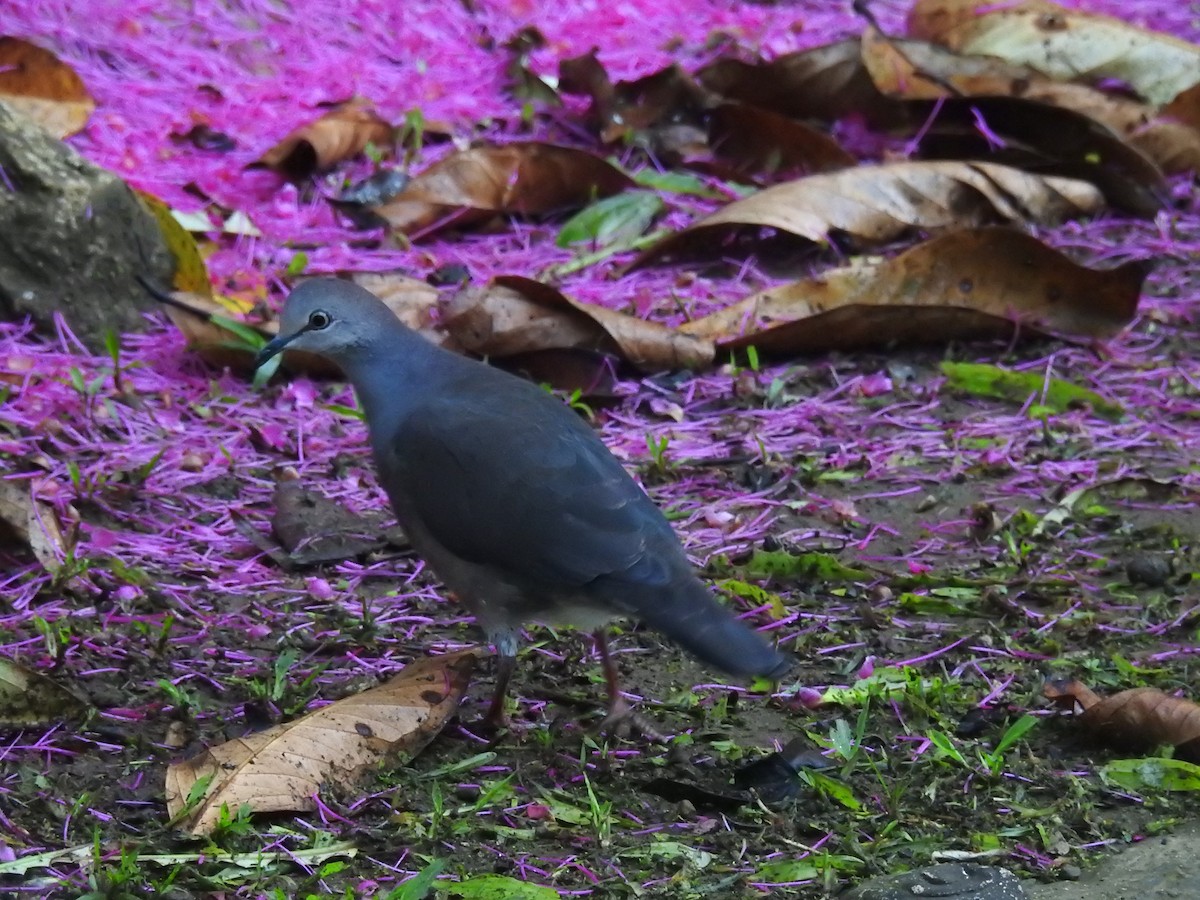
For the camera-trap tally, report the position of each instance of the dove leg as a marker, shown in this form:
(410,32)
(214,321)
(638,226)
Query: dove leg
(622,719)
(506,664)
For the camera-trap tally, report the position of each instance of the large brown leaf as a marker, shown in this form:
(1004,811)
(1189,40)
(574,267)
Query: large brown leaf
(918,70)
(826,83)
(1062,43)
(342,132)
(1043,139)
(977,283)
(515,315)
(523,178)
(872,204)
(1138,719)
(40,85)
(283,768)
(757,141)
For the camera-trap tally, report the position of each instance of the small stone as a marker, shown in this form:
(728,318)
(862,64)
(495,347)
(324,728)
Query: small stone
(1071,873)
(685,809)
(177,736)
(192,462)
(679,755)
(1151,570)
(467,792)
(449,274)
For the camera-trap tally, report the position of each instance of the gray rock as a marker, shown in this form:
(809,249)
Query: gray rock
(962,881)
(72,236)
(1158,868)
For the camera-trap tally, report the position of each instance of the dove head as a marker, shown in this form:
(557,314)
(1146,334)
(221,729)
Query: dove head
(335,319)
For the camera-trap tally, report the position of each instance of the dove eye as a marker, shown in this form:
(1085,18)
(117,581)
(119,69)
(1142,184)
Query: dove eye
(318,319)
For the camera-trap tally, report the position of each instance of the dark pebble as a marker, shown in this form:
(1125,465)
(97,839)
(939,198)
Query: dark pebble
(1150,570)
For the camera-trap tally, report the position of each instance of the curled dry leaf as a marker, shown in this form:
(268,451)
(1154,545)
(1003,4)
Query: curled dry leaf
(826,83)
(971,284)
(758,141)
(523,178)
(873,204)
(32,523)
(1031,135)
(918,70)
(634,110)
(339,134)
(515,315)
(284,767)
(36,82)
(1138,719)
(523,82)
(30,699)
(1063,43)
(1186,107)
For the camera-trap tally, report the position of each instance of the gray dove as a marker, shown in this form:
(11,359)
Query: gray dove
(511,498)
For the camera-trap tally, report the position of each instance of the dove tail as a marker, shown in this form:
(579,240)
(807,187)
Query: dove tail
(685,611)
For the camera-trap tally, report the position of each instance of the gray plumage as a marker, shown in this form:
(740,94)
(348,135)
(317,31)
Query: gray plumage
(510,497)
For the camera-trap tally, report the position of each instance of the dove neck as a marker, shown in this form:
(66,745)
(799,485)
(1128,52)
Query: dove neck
(393,371)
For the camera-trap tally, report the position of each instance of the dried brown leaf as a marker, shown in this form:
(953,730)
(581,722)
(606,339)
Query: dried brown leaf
(515,315)
(523,82)
(339,134)
(758,141)
(977,283)
(826,83)
(1186,107)
(917,70)
(1138,719)
(283,768)
(1062,43)
(523,178)
(16,370)
(36,82)
(1173,145)
(32,523)
(872,204)
(647,110)
(1045,139)
(585,75)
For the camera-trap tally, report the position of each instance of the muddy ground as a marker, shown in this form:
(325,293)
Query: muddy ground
(969,584)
